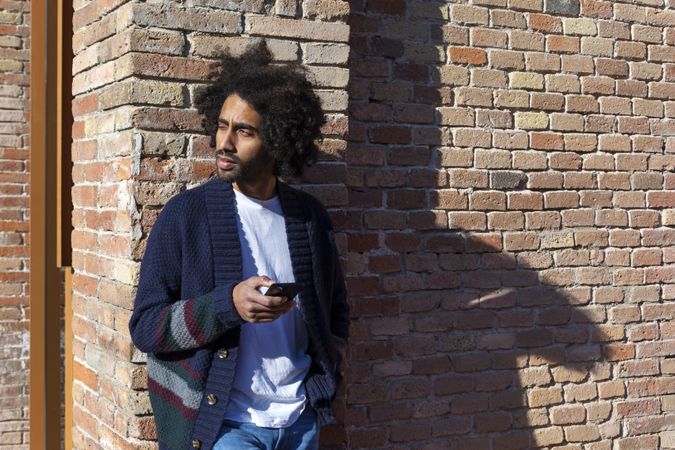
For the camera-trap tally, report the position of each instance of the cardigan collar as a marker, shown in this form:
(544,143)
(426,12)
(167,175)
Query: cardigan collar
(227,257)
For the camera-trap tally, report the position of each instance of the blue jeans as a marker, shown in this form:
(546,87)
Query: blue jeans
(302,435)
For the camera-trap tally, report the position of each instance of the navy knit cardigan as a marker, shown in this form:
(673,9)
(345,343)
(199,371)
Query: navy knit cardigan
(185,320)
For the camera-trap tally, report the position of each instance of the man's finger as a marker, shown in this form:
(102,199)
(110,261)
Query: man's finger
(270,301)
(263,280)
(265,316)
(273,307)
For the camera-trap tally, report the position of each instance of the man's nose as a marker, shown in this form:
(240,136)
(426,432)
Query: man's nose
(226,141)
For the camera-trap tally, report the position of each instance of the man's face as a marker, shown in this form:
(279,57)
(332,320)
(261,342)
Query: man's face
(240,156)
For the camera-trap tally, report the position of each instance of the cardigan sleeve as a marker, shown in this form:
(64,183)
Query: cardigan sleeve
(162,322)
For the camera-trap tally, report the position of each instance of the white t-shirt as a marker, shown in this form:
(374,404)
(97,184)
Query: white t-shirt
(268,387)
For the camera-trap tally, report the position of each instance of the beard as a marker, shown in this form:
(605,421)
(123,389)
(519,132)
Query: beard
(244,171)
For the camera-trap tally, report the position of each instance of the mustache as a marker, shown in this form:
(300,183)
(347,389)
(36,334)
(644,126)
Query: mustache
(233,158)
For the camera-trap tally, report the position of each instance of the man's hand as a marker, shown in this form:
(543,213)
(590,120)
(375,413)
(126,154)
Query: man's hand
(255,307)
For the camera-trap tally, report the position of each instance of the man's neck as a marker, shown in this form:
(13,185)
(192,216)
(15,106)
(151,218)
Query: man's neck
(263,189)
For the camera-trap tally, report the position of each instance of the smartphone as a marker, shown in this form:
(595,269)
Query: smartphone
(288,290)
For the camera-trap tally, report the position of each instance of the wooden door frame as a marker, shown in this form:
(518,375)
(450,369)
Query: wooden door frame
(50,211)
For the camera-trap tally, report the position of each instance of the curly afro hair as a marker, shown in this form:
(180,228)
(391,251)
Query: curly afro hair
(290,112)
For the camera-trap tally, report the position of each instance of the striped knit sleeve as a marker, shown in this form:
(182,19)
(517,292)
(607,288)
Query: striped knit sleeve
(162,322)
(172,326)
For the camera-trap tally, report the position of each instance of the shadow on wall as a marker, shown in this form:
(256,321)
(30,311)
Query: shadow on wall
(476,315)
(473,348)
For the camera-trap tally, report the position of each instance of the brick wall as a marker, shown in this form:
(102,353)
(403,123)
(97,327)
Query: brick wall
(14,216)
(505,202)
(138,141)
(511,251)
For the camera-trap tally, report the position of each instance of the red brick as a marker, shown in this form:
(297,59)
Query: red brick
(631,88)
(369,437)
(486,200)
(391,135)
(462,178)
(562,44)
(544,22)
(466,55)
(393,7)
(411,72)
(467,220)
(527,40)
(596,8)
(548,141)
(511,440)
(599,85)
(484,37)
(663,199)
(508,18)
(525,200)
(638,408)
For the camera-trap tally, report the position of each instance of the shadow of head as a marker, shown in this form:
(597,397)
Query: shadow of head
(484,312)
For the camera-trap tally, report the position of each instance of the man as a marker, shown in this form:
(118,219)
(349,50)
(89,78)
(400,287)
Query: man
(229,367)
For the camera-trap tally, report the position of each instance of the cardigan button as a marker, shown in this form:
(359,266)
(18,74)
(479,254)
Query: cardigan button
(196,444)
(223,353)
(211,399)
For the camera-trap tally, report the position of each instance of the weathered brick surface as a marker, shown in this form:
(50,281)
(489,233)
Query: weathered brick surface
(14,222)
(521,303)
(503,197)
(138,141)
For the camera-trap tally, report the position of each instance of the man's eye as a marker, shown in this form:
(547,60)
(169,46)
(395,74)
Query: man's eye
(245,132)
